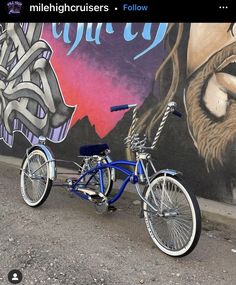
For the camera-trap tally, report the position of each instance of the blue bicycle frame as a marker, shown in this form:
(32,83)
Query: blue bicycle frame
(163,200)
(131,177)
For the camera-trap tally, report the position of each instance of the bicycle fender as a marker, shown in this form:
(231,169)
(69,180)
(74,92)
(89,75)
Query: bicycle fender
(167,171)
(170,172)
(50,158)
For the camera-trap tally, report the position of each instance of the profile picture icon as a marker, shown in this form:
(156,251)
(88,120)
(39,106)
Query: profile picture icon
(14,7)
(15,276)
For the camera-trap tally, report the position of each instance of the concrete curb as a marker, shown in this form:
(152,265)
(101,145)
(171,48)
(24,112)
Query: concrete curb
(218,212)
(213,211)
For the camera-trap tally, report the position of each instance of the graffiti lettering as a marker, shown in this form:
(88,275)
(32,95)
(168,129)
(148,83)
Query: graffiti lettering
(153,33)
(30,98)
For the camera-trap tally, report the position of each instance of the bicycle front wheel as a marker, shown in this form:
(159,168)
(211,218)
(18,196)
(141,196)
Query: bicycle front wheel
(176,227)
(35,182)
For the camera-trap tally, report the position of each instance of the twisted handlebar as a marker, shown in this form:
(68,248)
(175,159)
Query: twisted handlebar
(133,140)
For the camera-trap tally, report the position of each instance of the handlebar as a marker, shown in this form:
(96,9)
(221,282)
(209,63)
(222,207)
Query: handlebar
(122,107)
(132,140)
(177,113)
(171,107)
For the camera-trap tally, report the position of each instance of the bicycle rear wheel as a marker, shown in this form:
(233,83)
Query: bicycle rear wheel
(35,182)
(106,174)
(176,228)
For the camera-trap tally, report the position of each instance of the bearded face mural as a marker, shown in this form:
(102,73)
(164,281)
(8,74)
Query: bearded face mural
(211,91)
(31,101)
(199,72)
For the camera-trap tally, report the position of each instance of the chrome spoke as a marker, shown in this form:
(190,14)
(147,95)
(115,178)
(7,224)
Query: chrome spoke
(34,187)
(173,229)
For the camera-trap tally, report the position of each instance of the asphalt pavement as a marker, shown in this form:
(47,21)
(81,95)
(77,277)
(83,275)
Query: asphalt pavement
(65,242)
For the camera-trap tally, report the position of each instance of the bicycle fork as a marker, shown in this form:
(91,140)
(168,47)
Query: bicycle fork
(142,176)
(158,208)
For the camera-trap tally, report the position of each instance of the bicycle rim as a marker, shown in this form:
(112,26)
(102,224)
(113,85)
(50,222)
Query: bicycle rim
(34,190)
(173,232)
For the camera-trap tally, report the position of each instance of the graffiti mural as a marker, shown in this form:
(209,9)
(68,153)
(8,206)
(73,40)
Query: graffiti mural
(207,87)
(97,65)
(210,92)
(201,59)
(107,64)
(31,101)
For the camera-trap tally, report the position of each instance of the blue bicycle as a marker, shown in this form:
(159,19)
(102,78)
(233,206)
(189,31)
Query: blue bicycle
(171,211)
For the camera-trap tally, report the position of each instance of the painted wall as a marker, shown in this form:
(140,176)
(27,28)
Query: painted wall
(59,80)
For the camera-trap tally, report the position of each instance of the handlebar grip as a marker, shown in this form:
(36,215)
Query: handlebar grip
(176,113)
(119,108)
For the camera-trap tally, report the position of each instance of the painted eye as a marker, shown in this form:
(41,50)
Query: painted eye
(232,29)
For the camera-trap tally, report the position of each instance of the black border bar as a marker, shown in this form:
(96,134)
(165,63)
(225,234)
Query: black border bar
(123,11)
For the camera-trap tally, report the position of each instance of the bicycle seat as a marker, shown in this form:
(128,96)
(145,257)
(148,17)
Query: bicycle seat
(94,149)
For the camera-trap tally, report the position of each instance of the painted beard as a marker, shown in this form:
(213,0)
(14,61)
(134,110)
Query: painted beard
(213,136)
